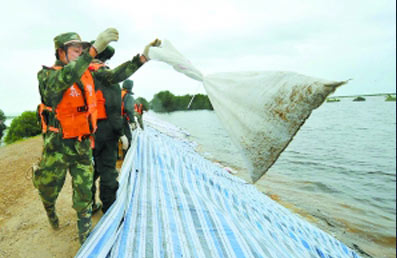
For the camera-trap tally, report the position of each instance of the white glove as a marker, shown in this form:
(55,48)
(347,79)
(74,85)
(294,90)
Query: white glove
(104,38)
(154,43)
(133,126)
(124,141)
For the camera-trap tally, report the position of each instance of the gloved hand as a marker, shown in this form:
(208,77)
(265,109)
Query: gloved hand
(154,43)
(124,141)
(133,126)
(104,38)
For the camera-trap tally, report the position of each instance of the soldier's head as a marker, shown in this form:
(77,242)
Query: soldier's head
(105,54)
(128,84)
(69,46)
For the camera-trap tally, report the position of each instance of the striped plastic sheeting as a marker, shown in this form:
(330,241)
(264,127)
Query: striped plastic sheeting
(174,203)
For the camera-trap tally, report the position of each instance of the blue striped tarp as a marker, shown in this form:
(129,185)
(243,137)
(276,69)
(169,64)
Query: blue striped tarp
(174,203)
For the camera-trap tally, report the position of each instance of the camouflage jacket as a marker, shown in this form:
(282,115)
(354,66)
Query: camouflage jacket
(107,80)
(120,73)
(53,83)
(129,109)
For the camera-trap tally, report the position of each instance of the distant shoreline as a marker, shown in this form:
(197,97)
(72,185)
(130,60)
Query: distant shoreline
(348,96)
(365,95)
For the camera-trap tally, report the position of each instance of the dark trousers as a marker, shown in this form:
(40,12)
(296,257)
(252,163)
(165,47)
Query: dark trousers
(105,157)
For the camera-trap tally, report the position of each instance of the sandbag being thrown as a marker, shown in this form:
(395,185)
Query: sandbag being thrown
(262,111)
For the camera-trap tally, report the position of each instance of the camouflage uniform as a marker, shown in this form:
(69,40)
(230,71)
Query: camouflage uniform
(109,129)
(139,117)
(60,155)
(129,110)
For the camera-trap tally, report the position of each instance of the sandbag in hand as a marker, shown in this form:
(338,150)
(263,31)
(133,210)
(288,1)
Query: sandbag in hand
(154,43)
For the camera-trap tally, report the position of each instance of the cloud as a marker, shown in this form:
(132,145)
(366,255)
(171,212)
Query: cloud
(333,40)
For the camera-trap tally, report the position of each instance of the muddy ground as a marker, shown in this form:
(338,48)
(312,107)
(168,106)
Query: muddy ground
(24,229)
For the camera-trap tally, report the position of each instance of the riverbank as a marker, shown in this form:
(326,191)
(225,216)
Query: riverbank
(24,230)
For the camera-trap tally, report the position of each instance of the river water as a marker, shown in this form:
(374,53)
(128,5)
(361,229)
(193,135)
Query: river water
(339,172)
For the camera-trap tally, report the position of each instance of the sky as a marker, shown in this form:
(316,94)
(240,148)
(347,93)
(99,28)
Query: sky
(334,40)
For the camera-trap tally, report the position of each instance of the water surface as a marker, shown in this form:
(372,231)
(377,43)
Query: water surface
(339,172)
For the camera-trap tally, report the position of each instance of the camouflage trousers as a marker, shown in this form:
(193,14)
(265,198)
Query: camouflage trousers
(60,155)
(105,157)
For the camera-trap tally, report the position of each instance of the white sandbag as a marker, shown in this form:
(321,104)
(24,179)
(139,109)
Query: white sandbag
(262,111)
(168,54)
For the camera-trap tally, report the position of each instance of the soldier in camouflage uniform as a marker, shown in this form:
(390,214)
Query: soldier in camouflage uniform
(129,112)
(62,151)
(110,121)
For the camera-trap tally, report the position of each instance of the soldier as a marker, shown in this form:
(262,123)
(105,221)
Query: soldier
(129,113)
(138,108)
(108,94)
(68,116)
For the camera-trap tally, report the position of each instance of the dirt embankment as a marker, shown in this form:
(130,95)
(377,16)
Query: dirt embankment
(24,229)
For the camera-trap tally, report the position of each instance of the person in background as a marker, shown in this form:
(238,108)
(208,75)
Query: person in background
(110,126)
(68,114)
(138,108)
(129,114)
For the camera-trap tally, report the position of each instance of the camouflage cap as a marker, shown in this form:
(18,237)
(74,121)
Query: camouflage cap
(127,84)
(68,38)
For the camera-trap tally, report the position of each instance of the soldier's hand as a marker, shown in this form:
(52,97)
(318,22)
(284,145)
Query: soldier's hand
(104,38)
(154,43)
(124,141)
(133,126)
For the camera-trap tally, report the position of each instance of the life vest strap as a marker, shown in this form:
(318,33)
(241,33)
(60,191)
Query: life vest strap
(42,108)
(53,129)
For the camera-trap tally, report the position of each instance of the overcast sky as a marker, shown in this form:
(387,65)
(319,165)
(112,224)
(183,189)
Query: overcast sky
(335,40)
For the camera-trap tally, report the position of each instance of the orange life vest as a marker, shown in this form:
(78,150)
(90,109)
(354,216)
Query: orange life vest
(76,113)
(138,108)
(43,121)
(100,99)
(123,113)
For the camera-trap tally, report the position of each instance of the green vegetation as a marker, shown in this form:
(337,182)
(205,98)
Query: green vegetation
(333,100)
(359,98)
(390,98)
(23,126)
(144,103)
(165,101)
(2,123)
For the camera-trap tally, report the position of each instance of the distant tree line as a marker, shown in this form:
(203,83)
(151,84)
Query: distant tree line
(2,123)
(27,125)
(165,101)
(23,126)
